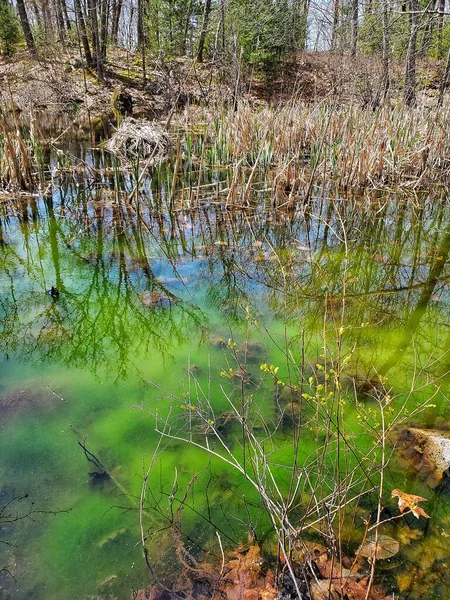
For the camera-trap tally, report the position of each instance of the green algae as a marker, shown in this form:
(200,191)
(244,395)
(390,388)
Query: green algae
(114,371)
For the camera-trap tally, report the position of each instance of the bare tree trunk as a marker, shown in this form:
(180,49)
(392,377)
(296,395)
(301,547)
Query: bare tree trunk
(142,42)
(385,85)
(60,21)
(47,18)
(82,33)
(66,15)
(201,42)
(29,39)
(140,23)
(440,27)
(117,10)
(186,28)
(355,15)
(222,22)
(335,24)
(37,14)
(428,30)
(96,39)
(104,13)
(444,82)
(409,95)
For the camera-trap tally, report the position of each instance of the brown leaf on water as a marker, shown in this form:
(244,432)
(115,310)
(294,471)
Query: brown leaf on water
(410,502)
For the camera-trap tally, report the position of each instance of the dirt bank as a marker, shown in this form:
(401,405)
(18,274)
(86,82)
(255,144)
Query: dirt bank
(58,83)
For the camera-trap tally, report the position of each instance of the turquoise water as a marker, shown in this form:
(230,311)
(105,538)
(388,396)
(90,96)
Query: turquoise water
(162,323)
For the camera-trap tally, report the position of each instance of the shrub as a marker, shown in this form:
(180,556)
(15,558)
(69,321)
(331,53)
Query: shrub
(9,29)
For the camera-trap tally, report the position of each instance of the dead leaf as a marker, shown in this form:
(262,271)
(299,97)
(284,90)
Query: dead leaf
(410,501)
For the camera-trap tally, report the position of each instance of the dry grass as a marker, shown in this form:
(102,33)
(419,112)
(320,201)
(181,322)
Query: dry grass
(355,148)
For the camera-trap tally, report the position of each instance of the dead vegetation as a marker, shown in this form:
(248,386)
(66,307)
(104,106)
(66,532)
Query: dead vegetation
(245,574)
(303,145)
(139,140)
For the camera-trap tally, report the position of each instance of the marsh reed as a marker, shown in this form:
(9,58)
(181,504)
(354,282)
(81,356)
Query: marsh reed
(300,145)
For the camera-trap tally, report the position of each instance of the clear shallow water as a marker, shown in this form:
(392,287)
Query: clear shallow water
(148,303)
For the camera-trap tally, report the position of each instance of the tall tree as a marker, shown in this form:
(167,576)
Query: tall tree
(201,42)
(47,18)
(140,24)
(186,28)
(141,37)
(355,16)
(440,27)
(385,85)
(104,19)
(29,39)
(116,12)
(81,25)
(60,20)
(429,17)
(334,31)
(409,95)
(222,23)
(96,44)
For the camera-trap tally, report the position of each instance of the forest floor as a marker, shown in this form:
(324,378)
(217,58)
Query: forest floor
(57,83)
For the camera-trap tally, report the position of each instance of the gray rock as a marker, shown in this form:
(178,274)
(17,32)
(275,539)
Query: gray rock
(428,452)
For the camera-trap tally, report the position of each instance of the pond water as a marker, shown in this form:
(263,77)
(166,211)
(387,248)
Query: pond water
(166,310)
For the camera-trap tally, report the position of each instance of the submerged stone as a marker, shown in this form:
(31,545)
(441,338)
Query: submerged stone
(217,341)
(154,299)
(252,352)
(365,387)
(428,452)
(193,369)
(99,476)
(32,397)
(380,547)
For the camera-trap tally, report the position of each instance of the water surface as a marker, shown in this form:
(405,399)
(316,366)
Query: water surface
(166,311)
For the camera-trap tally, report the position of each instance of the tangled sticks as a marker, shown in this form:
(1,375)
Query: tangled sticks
(139,140)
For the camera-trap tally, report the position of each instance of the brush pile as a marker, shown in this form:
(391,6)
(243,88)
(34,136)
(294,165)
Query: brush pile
(139,141)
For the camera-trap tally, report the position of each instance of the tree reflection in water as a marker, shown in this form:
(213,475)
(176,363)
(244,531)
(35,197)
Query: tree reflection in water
(382,262)
(137,280)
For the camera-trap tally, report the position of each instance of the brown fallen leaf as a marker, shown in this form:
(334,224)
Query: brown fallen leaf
(410,501)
